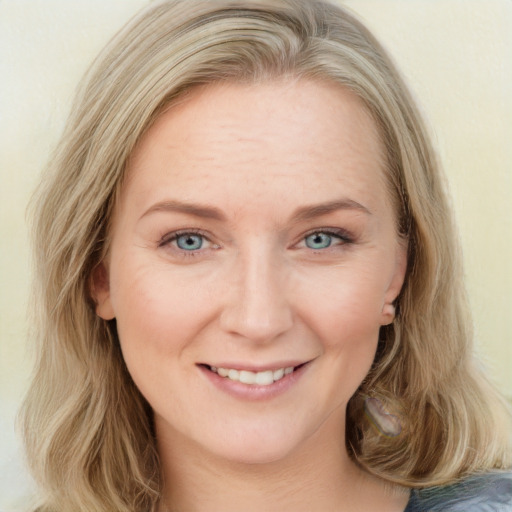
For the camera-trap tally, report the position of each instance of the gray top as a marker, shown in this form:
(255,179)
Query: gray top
(490,492)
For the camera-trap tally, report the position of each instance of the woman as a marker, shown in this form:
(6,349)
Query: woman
(250,291)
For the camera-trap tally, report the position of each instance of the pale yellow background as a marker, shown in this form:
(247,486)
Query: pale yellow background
(457,56)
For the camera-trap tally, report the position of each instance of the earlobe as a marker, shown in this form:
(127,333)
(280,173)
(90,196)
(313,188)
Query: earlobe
(388,314)
(395,286)
(100,292)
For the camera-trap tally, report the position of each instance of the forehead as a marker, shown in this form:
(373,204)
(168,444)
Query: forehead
(227,141)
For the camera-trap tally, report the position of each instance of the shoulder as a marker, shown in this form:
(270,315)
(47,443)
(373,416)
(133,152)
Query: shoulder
(490,492)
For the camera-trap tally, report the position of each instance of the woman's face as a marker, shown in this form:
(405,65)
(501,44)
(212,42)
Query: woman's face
(253,238)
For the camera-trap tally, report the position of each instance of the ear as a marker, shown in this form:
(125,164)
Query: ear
(396,283)
(100,292)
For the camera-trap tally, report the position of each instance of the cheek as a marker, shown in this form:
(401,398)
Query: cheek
(344,304)
(342,310)
(156,313)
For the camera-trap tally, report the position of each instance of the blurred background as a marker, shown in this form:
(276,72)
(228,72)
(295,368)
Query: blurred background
(457,58)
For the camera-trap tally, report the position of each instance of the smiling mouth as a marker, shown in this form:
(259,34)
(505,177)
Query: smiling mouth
(264,378)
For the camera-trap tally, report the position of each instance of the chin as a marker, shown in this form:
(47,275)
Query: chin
(255,454)
(257,446)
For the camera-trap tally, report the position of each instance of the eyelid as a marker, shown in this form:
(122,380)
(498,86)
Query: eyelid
(166,240)
(173,235)
(340,233)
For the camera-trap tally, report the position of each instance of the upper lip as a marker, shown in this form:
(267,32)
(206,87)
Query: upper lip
(257,368)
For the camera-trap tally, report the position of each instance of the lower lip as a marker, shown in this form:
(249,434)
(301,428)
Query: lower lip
(253,391)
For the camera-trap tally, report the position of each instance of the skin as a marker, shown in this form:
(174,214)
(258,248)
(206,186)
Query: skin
(257,292)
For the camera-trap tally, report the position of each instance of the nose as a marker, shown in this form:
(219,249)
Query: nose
(256,306)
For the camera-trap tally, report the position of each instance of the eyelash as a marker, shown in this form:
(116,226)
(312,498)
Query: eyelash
(344,236)
(168,238)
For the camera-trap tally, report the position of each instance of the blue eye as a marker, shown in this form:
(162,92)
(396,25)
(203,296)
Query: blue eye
(319,240)
(189,242)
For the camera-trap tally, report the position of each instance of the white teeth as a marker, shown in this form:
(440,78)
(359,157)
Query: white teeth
(233,374)
(259,378)
(264,378)
(246,377)
(223,372)
(279,374)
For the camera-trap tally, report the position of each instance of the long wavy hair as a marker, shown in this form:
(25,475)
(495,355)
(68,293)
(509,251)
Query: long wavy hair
(88,431)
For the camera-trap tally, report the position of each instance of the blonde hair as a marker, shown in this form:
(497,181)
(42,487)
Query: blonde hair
(88,431)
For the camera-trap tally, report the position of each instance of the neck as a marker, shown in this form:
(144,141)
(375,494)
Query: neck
(318,476)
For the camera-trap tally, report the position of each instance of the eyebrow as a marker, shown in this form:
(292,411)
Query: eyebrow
(301,214)
(313,211)
(194,209)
